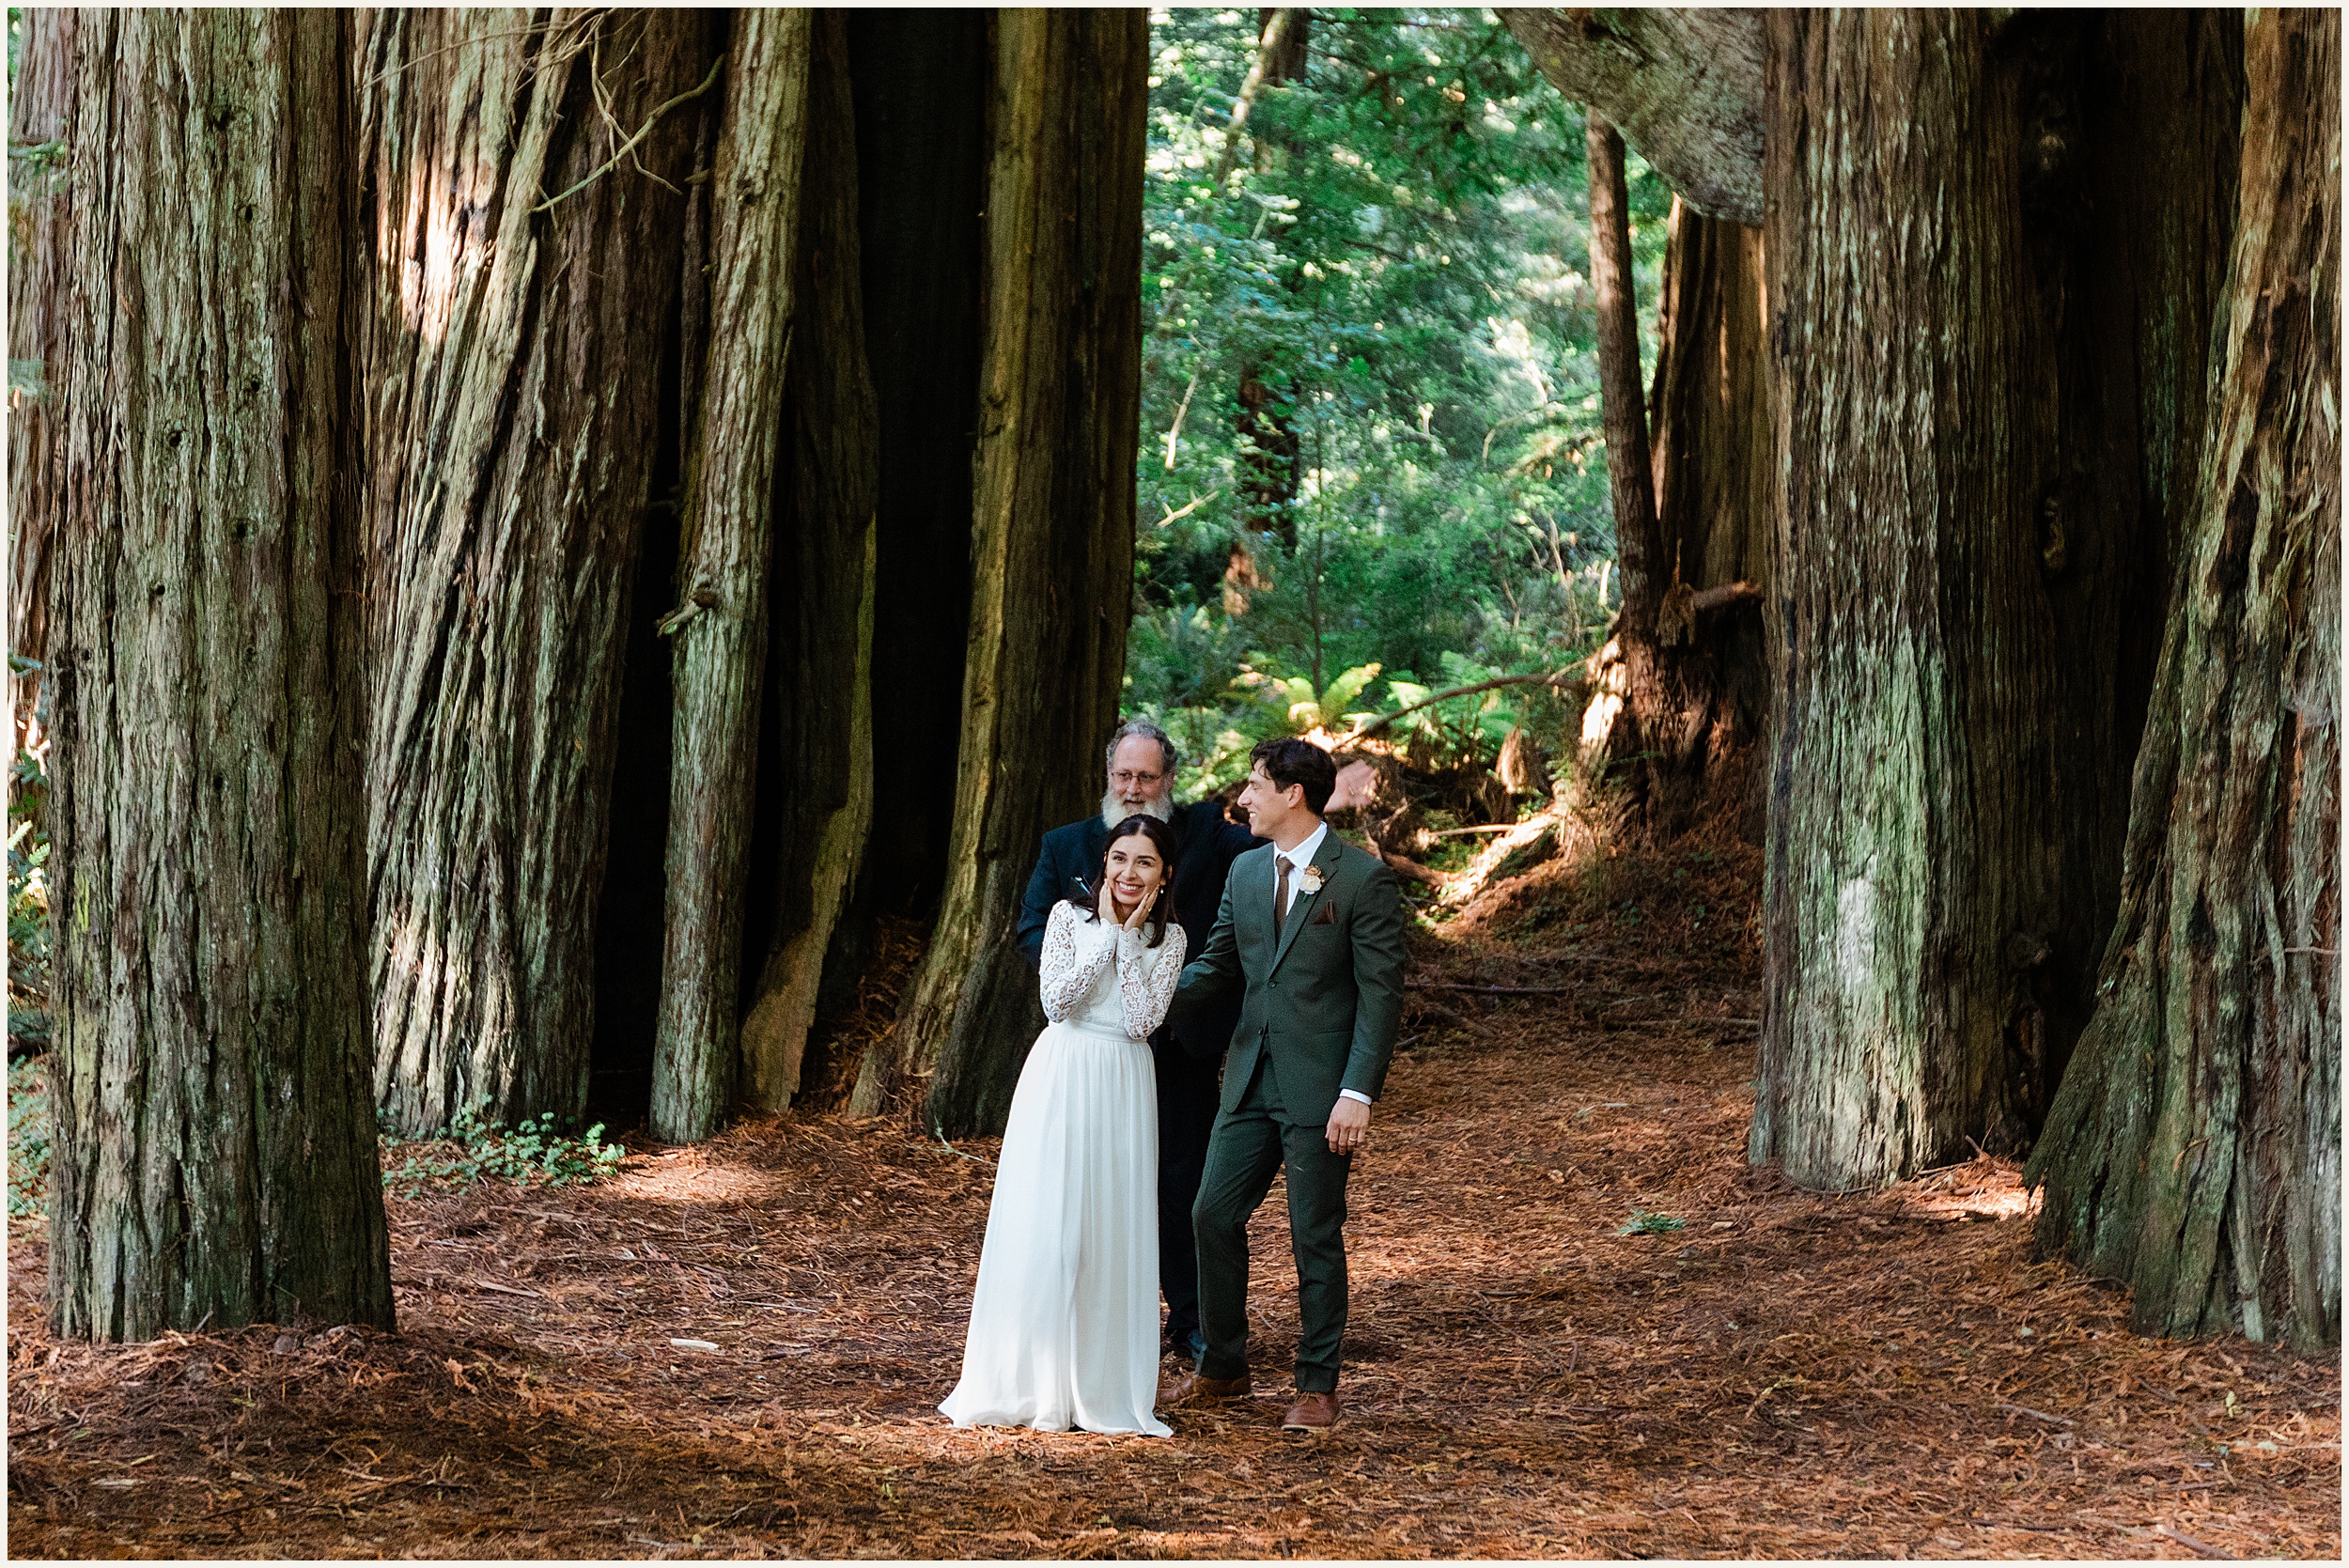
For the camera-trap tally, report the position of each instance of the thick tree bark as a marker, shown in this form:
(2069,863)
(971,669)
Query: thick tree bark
(1928,762)
(2131,124)
(816,759)
(41,110)
(1685,83)
(1052,533)
(721,623)
(513,398)
(215,1157)
(2194,1150)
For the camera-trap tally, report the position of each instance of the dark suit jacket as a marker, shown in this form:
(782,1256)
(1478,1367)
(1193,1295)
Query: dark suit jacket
(1323,998)
(1205,844)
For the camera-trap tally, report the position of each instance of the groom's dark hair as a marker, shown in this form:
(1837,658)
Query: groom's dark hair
(1298,761)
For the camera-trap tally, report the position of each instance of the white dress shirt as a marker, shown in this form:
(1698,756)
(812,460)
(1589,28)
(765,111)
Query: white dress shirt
(1298,858)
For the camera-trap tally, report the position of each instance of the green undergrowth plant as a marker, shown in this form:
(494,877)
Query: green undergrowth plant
(471,1150)
(28,1137)
(1645,1223)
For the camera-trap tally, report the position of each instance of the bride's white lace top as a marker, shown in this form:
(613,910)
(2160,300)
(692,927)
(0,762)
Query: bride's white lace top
(1103,977)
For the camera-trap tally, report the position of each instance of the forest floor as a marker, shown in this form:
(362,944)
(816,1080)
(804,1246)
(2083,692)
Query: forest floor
(1782,1374)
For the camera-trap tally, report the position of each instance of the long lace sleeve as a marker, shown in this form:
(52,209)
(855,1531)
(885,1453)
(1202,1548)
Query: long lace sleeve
(1069,973)
(1145,978)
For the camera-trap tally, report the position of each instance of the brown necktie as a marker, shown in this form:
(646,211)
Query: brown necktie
(1279,892)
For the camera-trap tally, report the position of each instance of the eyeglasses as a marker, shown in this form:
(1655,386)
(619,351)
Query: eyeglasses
(1126,778)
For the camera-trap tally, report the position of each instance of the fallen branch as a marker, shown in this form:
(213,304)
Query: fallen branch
(1486,827)
(1560,680)
(2036,1415)
(1495,990)
(1405,866)
(2201,1547)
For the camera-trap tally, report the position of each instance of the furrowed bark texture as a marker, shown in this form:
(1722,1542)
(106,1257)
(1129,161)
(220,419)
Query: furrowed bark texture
(41,110)
(513,393)
(1052,533)
(2194,1150)
(1920,769)
(816,759)
(1714,456)
(1685,85)
(215,1155)
(721,623)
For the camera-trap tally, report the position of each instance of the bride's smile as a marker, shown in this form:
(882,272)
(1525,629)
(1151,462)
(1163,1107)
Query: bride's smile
(1133,872)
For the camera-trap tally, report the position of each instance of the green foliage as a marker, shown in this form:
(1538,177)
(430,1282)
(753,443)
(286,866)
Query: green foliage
(1297,707)
(28,1137)
(1644,1222)
(29,904)
(1371,429)
(469,1151)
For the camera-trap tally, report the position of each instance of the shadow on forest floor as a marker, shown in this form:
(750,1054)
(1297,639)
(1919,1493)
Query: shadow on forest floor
(1786,1373)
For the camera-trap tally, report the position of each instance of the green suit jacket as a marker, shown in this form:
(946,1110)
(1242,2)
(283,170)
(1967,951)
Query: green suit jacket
(1322,1001)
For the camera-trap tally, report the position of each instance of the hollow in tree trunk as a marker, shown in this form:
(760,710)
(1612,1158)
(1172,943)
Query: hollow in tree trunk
(720,625)
(520,304)
(215,1155)
(1052,535)
(2194,1149)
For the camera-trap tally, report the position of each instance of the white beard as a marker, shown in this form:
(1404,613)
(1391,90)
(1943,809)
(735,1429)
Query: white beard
(1113,810)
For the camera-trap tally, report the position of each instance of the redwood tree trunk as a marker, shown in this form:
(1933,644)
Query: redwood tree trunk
(721,623)
(1924,762)
(816,758)
(513,401)
(215,1156)
(2194,1150)
(41,110)
(1052,534)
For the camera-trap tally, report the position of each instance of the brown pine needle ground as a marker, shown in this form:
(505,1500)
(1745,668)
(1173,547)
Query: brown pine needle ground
(1783,1375)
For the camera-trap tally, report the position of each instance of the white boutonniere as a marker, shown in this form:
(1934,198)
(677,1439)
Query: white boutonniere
(1310,879)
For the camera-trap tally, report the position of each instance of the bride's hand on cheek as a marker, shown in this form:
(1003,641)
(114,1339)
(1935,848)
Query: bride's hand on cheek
(1141,910)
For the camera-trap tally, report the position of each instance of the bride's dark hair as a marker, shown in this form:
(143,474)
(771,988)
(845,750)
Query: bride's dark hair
(1162,839)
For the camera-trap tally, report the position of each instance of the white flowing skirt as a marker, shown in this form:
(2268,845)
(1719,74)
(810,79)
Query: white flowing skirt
(1065,1320)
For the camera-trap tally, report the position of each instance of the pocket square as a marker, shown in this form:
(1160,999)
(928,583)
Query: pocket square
(1326,915)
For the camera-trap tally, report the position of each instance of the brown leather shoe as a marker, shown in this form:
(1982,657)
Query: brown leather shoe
(1195,1389)
(1311,1413)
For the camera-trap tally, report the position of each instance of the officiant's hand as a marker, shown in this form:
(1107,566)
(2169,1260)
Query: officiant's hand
(1141,911)
(1349,1126)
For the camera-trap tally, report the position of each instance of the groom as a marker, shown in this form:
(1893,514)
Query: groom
(1311,928)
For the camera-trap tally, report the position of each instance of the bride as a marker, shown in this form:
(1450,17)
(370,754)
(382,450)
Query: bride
(1064,1321)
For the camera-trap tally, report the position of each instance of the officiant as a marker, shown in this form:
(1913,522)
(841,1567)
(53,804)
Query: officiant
(1189,1056)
